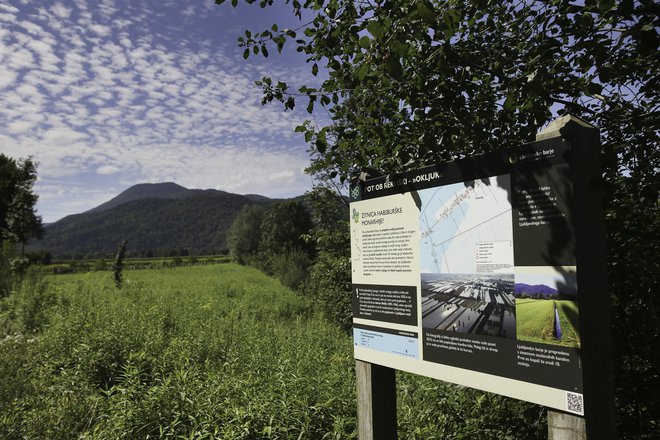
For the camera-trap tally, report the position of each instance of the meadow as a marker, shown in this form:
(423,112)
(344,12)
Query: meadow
(535,321)
(204,352)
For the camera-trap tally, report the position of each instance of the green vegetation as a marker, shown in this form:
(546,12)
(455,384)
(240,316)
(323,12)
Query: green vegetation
(203,351)
(18,219)
(217,351)
(76,266)
(535,321)
(274,241)
(118,265)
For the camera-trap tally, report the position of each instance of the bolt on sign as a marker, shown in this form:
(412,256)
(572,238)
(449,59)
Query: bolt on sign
(466,271)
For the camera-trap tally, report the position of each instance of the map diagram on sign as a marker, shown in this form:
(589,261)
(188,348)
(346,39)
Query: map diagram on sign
(466,257)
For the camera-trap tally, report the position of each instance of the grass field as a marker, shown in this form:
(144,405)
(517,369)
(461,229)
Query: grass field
(204,352)
(535,321)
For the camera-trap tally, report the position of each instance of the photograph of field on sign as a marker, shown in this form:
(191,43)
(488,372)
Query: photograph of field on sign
(466,257)
(546,306)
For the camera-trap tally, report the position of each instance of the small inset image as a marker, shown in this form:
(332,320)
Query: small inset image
(469,303)
(546,305)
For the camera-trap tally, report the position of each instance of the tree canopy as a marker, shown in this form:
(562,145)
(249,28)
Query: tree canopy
(18,219)
(415,82)
(244,233)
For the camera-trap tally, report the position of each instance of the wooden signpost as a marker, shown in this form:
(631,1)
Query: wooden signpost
(434,296)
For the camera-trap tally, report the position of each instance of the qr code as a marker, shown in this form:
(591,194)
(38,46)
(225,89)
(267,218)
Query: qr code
(575,403)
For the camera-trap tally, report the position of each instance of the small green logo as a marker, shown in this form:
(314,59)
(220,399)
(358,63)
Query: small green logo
(356,216)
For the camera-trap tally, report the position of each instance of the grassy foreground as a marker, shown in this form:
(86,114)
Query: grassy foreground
(217,351)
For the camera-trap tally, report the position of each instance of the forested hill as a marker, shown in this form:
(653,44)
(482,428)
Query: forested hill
(156,219)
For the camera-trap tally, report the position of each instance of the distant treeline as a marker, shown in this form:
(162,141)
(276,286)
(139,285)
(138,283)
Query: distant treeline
(88,265)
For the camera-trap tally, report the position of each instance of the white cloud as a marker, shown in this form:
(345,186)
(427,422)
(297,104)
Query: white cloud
(7,77)
(107,169)
(61,136)
(60,10)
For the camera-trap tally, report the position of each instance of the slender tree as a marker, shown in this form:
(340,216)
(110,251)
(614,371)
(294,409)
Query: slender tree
(18,219)
(118,264)
(245,233)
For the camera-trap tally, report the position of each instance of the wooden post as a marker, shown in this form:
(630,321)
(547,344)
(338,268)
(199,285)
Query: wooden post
(562,426)
(376,401)
(596,351)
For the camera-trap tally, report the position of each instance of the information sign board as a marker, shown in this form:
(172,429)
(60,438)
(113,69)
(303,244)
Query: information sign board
(466,272)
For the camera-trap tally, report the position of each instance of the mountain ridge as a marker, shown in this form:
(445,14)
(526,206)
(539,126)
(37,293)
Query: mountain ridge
(154,219)
(140,191)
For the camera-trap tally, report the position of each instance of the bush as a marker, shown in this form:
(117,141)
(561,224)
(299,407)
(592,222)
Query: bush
(291,268)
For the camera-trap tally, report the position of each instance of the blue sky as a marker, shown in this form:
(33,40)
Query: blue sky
(106,94)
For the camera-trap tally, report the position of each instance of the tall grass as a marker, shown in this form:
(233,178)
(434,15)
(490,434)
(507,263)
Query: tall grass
(216,351)
(204,352)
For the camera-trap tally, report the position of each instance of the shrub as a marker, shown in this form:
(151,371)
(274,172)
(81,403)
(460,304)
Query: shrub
(291,268)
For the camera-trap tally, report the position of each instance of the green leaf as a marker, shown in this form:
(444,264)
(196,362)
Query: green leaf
(315,69)
(321,145)
(394,67)
(234,3)
(362,71)
(246,54)
(425,13)
(400,48)
(274,27)
(365,42)
(375,29)
(264,51)
(594,88)
(508,103)
(605,5)
(310,105)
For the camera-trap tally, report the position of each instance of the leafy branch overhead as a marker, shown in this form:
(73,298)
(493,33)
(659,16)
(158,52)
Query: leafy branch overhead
(403,77)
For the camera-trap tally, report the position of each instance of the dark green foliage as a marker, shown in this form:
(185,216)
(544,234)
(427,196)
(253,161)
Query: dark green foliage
(6,275)
(633,223)
(291,268)
(283,228)
(118,264)
(244,233)
(433,410)
(18,219)
(330,280)
(274,241)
